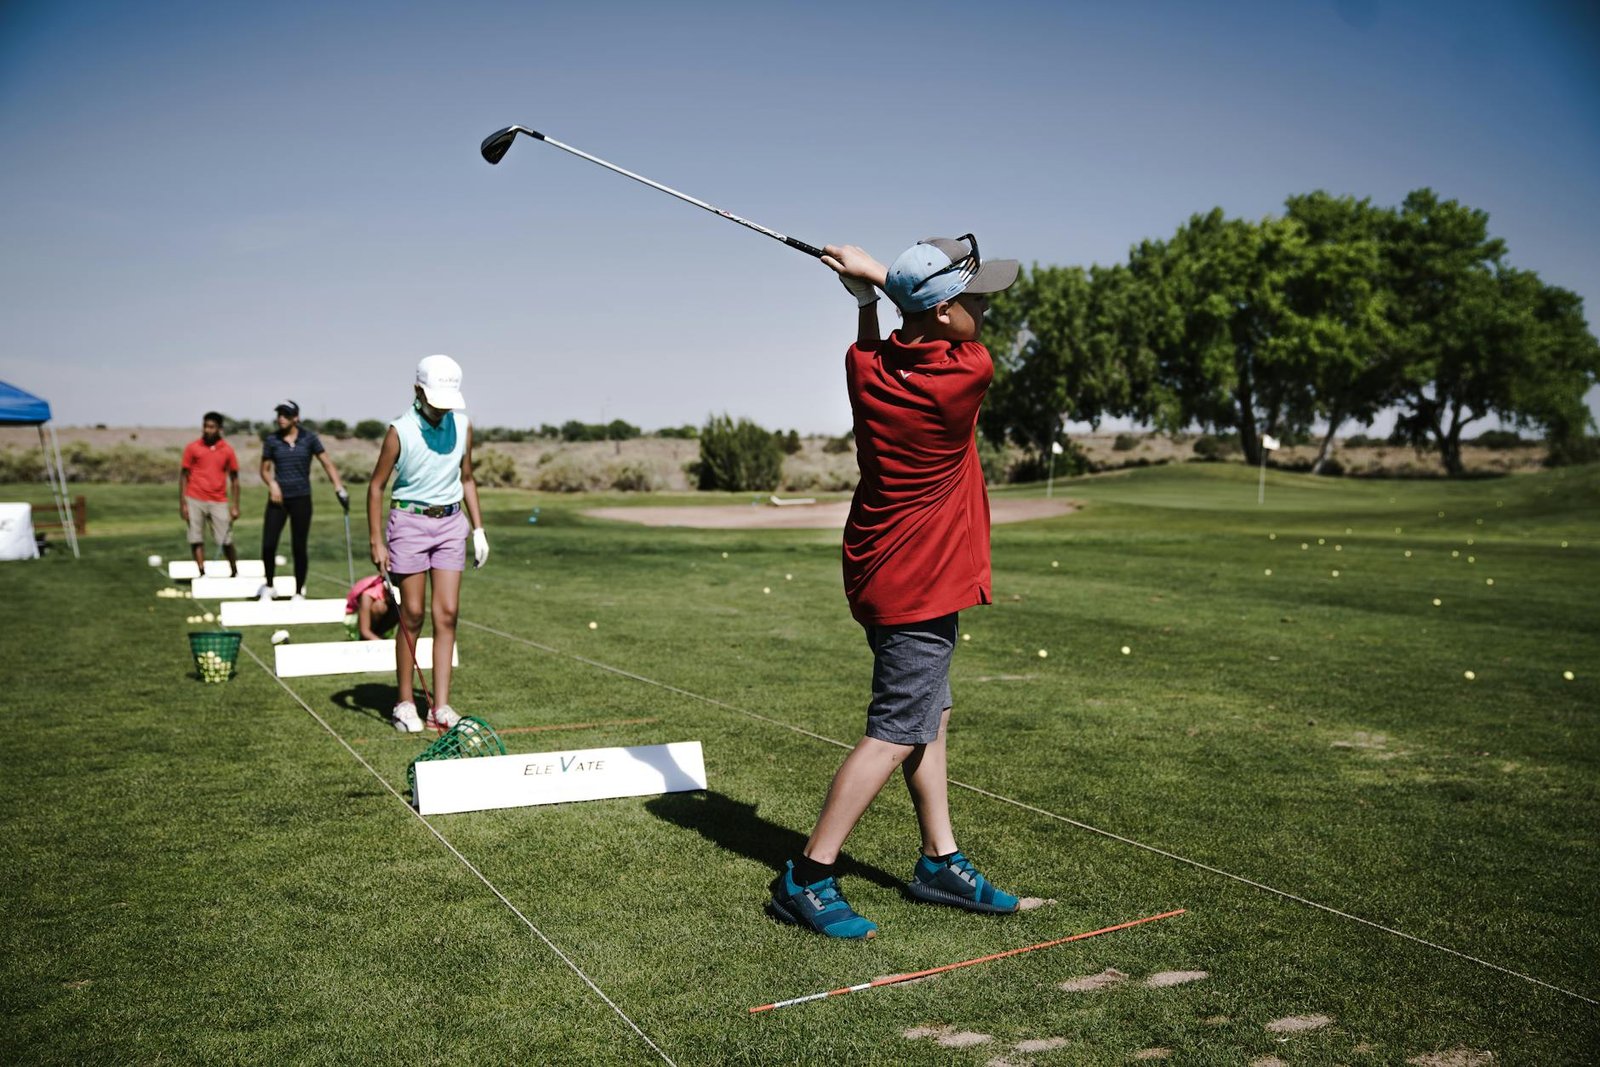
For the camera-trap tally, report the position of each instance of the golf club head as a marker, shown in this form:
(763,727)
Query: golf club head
(497,144)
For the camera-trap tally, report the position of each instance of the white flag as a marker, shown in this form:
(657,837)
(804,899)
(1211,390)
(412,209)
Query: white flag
(1269,442)
(1055,446)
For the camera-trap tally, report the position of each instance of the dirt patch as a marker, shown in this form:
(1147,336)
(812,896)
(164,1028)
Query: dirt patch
(1153,1054)
(1362,739)
(1030,903)
(1298,1024)
(1039,1044)
(917,1033)
(1455,1057)
(963,1039)
(1164,979)
(825,516)
(1089,983)
(1268,1061)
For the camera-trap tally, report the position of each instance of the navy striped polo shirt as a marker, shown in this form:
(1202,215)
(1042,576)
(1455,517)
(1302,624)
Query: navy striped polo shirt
(291,464)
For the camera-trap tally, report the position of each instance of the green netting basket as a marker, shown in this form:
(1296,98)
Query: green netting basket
(469,737)
(215,653)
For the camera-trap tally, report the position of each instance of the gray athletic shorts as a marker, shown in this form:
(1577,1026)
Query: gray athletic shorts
(910,679)
(214,513)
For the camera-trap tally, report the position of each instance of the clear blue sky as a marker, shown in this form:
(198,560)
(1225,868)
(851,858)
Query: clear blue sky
(218,204)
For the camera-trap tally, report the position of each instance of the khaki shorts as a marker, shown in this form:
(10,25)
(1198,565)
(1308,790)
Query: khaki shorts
(216,513)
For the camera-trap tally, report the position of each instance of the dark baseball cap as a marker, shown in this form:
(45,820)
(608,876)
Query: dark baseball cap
(289,408)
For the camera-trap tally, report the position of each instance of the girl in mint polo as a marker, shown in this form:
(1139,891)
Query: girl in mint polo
(428,449)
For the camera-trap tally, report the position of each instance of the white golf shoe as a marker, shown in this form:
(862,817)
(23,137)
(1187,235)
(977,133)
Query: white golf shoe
(266,592)
(405,718)
(443,717)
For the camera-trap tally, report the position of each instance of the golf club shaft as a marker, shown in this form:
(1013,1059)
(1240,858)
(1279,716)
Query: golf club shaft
(494,147)
(392,592)
(349,556)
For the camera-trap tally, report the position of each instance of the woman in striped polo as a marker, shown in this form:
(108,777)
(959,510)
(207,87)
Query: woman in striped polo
(429,451)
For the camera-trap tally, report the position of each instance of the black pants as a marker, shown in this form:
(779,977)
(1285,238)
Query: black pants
(296,511)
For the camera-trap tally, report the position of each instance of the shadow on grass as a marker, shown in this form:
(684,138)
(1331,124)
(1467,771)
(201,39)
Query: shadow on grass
(372,699)
(735,826)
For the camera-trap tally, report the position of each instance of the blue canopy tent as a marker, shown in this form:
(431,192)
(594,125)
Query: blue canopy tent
(18,407)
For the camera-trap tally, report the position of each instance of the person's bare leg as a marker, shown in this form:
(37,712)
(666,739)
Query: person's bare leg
(859,779)
(928,782)
(412,594)
(233,557)
(199,553)
(446,608)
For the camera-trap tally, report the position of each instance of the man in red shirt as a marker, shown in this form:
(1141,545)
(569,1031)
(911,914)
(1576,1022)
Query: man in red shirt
(208,491)
(916,552)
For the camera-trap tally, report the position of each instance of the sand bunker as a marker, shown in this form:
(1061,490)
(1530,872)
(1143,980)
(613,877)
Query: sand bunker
(827,516)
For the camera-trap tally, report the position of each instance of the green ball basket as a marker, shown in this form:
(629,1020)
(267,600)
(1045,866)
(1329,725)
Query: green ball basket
(216,654)
(469,737)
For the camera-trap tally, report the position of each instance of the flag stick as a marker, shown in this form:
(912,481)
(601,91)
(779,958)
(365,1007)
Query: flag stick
(897,978)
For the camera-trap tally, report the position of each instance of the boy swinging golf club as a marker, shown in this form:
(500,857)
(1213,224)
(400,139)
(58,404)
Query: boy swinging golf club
(916,552)
(428,449)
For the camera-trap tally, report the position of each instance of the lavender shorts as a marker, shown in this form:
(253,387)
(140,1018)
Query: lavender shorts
(418,543)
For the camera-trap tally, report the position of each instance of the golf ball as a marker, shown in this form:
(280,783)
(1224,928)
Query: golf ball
(208,617)
(1437,602)
(1441,514)
(766,589)
(1567,675)
(966,637)
(1338,548)
(279,560)
(1469,676)
(1322,540)
(154,561)
(1398,530)
(1269,572)
(1334,573)
(788,577)
(1469,541)
(1304,546)
(1455,554)
(1126,651)
(724,555)
(1408,553)
(1043,654)
(1488,581)
(1272,537)
(1563,544)
(1055,563)
(1348,531)
(280,637)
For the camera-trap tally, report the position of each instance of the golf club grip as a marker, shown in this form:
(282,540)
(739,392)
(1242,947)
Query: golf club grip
(795,242)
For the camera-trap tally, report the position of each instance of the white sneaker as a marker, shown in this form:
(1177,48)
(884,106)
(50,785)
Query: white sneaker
(266,592)
(298,596)
(443,717)
(405,718)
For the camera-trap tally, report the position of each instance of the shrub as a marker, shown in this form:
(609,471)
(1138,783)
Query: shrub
(836,445)
(1361,440)
(370,430)
(494,469)
(682,433)
(791,443)
(336,428)
(1576,448)
(21,464)
(634,477)
(1499,439)
(565,473)
(738,456)
(1125,442)
(1216,446)
(992,459)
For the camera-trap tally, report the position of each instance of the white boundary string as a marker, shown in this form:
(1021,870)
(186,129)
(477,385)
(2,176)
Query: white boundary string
(551,945)
(1041,811)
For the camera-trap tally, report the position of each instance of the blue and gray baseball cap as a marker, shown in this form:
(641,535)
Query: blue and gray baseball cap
(937,269)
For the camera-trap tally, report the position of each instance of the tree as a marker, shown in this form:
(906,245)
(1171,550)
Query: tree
(738,456)
(336,428)
(370,429)
(1339,303)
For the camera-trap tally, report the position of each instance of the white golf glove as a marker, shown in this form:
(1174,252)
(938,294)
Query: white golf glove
(480,547)
(864,291)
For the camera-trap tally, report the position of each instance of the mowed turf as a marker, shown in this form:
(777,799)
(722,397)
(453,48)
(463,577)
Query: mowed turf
(202,873)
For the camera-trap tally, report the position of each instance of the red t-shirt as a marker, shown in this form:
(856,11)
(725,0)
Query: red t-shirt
(209,467)
(916,545)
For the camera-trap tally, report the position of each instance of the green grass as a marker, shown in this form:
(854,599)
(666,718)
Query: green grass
(201,873)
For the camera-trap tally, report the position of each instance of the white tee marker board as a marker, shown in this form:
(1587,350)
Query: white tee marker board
(183,570)
(238,588)
(280,612)
(348,657)
(478,784)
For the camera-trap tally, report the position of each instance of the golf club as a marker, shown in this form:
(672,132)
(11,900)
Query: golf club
(392,595)
(349,557)
(496,145)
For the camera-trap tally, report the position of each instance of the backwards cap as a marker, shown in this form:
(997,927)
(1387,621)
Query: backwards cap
(920,279)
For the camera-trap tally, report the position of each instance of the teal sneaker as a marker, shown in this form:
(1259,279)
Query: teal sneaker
(958,883)
(819,907)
